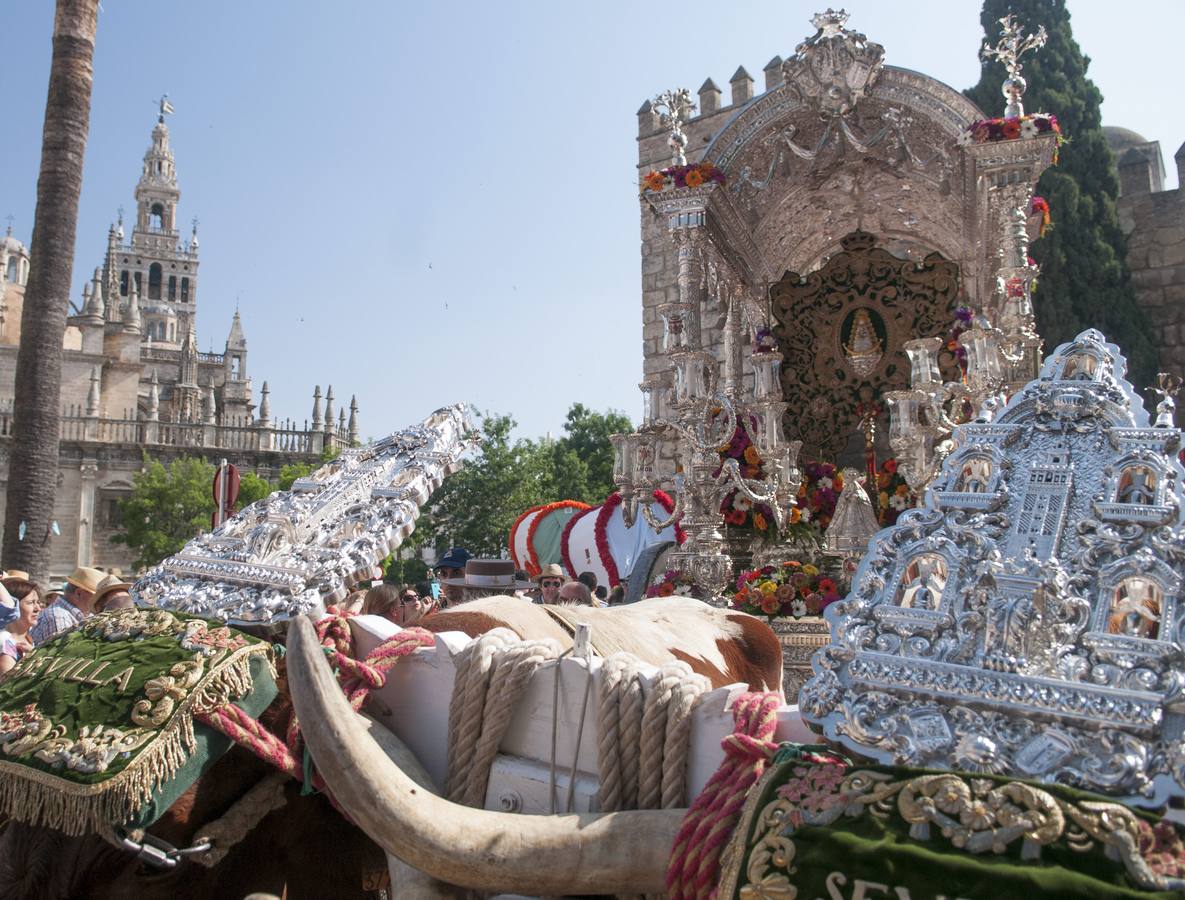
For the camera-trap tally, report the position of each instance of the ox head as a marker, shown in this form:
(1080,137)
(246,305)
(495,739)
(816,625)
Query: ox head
(611,853)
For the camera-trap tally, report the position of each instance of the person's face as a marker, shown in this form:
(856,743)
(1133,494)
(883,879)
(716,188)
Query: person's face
(570,592)
(450,591)
(30,609)
(409,610)
(551,589)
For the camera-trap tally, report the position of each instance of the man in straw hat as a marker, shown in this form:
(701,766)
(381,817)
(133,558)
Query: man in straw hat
(487,578)
(75,604)
(550,579)
(113,594)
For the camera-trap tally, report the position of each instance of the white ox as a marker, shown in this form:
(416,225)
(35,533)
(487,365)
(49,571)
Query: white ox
(414,705)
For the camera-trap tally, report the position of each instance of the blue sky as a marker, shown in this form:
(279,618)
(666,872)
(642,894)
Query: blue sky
(424,203)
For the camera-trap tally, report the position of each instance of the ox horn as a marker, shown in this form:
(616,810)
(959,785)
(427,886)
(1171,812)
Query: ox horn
(607,853)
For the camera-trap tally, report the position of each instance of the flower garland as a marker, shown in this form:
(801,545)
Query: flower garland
(1012,128)
(792,589)
(533,566)
(602,541)
(674,583)
(565,537)
(893,495)
(692,176)
(1040,207)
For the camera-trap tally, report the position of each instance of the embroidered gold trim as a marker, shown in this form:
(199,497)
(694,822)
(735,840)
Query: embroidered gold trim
(977,815)
(41,798)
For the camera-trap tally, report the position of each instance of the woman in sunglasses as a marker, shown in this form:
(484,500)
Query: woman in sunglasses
(402,605)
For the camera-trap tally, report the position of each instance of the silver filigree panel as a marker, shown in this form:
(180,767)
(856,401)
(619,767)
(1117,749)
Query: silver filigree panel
(298,550)
(1028,619)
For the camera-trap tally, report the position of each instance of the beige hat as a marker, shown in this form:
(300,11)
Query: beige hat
(86,578)
(489,573)
(109,585)
(552,570)
(16,573)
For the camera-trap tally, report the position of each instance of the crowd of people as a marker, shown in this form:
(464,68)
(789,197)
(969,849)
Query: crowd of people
(459,577)
(30,614)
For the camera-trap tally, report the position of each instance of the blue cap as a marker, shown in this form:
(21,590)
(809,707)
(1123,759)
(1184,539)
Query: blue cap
(454,558)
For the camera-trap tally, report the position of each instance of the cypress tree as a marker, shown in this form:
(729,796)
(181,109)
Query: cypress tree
(1084,280)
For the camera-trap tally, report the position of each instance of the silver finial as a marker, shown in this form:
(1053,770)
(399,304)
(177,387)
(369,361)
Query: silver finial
(1167,387)
(166,108)
(673,108)
(1009,49)
(831,22)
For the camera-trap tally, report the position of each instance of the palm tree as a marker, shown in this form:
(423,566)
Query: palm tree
(33,464)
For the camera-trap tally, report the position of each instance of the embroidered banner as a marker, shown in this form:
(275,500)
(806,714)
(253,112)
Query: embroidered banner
(818,826)
(97,722)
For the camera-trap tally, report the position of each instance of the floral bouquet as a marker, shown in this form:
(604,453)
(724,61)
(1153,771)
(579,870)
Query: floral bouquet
(736,507)
(673,583)
(821,484)
(792,589)
(893,495)
(1010,129)
(691,176)
(964,315)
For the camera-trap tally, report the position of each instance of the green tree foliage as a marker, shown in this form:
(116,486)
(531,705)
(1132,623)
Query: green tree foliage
(582,460)
(476,507)
(252,488)
(167,507)
(1084,281)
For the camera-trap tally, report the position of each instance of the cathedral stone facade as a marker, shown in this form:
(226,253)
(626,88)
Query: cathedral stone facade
(135,383)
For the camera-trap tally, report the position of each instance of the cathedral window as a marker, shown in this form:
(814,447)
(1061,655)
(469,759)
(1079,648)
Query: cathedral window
(172,287)
(14,270)
(155,276)
(123,283)
(184,290)
(1136,604)
(139,276)
(156,217)
(172,331)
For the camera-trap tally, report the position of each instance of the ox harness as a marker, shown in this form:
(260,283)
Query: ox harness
(103,728)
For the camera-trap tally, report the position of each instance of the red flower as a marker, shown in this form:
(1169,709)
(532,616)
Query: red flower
(1010,128)
(827,586)
(666,589)
(890,466)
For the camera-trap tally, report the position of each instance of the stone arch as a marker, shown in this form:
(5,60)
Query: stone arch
(890,165)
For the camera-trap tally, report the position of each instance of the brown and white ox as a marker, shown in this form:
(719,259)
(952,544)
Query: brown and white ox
(304,849)
(725,646)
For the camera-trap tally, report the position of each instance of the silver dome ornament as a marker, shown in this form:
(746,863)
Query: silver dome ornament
(1029,619)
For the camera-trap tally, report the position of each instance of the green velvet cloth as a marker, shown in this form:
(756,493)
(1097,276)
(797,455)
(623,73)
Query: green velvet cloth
(100,719)
(818,826)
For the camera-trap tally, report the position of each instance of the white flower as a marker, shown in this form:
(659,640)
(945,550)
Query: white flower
(741,502)
(825,482)
(683,590)
(897,502)
(1028,128)
(798,608)
(806,513)
(964,138)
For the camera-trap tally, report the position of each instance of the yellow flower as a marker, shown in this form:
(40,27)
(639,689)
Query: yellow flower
(693,179)
(654,181)
(808,569)
(884,498)
(752,457)
(767,587)
(759,522)
(796,515)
